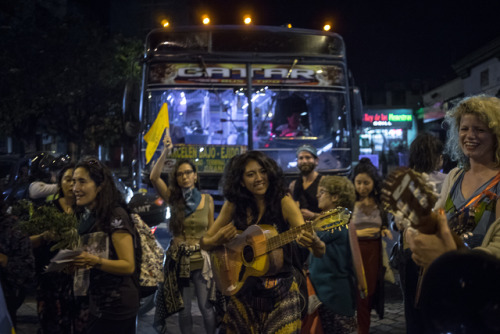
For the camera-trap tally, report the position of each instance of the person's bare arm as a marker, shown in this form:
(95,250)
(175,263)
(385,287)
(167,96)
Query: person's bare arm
(222,229)
(211,211)
(293,216)
(155,176)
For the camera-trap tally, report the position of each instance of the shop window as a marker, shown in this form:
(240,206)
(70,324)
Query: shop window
(485,78)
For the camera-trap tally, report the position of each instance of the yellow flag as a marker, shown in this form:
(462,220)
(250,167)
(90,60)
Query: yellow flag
(153,136)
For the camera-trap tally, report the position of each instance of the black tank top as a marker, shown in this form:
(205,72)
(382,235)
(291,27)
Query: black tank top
(307,197)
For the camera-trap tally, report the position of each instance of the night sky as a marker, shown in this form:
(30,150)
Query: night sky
(385,40)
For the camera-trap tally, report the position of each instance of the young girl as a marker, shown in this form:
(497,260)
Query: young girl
(371,224)
(256,195)
(186,267)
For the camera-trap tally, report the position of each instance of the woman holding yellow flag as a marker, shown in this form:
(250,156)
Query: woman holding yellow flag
(187,268)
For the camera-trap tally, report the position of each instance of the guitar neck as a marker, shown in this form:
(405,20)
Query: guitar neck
(288,236)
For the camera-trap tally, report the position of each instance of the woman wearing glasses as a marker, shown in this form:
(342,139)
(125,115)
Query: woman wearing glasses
(187,268)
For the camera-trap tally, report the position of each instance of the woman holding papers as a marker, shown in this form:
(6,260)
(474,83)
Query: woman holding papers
(108,233)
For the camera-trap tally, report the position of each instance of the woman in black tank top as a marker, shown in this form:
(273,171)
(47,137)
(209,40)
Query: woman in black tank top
(256,195)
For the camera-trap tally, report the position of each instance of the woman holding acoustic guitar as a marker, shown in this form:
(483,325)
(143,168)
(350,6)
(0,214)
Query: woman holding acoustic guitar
(468,208)
(470,192)
(187,268)
(257,200)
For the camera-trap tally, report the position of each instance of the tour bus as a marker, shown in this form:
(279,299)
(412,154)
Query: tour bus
(230,89)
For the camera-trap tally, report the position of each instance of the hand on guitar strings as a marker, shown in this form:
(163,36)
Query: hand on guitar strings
(428,247)
(312,241)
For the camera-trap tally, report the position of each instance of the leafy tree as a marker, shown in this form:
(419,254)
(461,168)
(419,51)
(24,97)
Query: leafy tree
(67,81)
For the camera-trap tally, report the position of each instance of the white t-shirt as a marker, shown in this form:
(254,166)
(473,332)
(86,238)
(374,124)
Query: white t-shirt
(39,189)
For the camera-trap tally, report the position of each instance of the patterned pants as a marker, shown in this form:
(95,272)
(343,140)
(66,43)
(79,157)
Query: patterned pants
(241,318)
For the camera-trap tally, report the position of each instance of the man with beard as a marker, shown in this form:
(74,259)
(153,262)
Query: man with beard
(305,188)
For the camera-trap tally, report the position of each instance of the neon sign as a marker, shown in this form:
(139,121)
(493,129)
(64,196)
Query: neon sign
(401,118)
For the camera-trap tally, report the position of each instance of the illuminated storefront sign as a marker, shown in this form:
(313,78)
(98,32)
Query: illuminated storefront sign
(387,118)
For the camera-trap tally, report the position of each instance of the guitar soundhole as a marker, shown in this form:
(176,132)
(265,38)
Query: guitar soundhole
(248,253)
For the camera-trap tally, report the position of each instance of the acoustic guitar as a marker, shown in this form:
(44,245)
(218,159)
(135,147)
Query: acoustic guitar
(410,197)
(257,250)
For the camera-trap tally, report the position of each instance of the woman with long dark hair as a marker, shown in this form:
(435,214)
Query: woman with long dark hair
(108,232)
(256,195)
(187,268)
(371,225)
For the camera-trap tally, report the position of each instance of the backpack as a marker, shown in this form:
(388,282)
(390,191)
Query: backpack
(149,258)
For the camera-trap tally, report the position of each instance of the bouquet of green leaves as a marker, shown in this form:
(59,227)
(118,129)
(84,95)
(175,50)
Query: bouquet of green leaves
(62,226)
(23,209)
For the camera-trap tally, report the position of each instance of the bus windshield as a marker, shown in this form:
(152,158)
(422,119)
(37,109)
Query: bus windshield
(282,120)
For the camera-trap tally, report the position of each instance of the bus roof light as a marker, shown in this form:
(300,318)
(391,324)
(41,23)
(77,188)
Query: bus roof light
(247,19)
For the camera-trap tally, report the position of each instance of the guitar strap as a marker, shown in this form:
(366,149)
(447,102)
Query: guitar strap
(463,220)
(473,203)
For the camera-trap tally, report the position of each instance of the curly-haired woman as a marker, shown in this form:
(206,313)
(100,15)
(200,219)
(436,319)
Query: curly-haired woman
(256,195)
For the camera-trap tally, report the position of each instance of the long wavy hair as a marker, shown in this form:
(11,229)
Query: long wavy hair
(425,153)
(108,198)
(243,199)
(176,199)
(487,109)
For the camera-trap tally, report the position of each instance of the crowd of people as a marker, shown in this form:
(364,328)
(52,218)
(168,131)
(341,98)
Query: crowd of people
(266,287)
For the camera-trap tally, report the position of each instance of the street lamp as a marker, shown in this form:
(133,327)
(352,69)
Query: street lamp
(205,19)
(165,23)
(327,27)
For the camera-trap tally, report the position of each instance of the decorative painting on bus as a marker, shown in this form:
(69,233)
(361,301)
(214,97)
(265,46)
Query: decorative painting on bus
(165,74)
